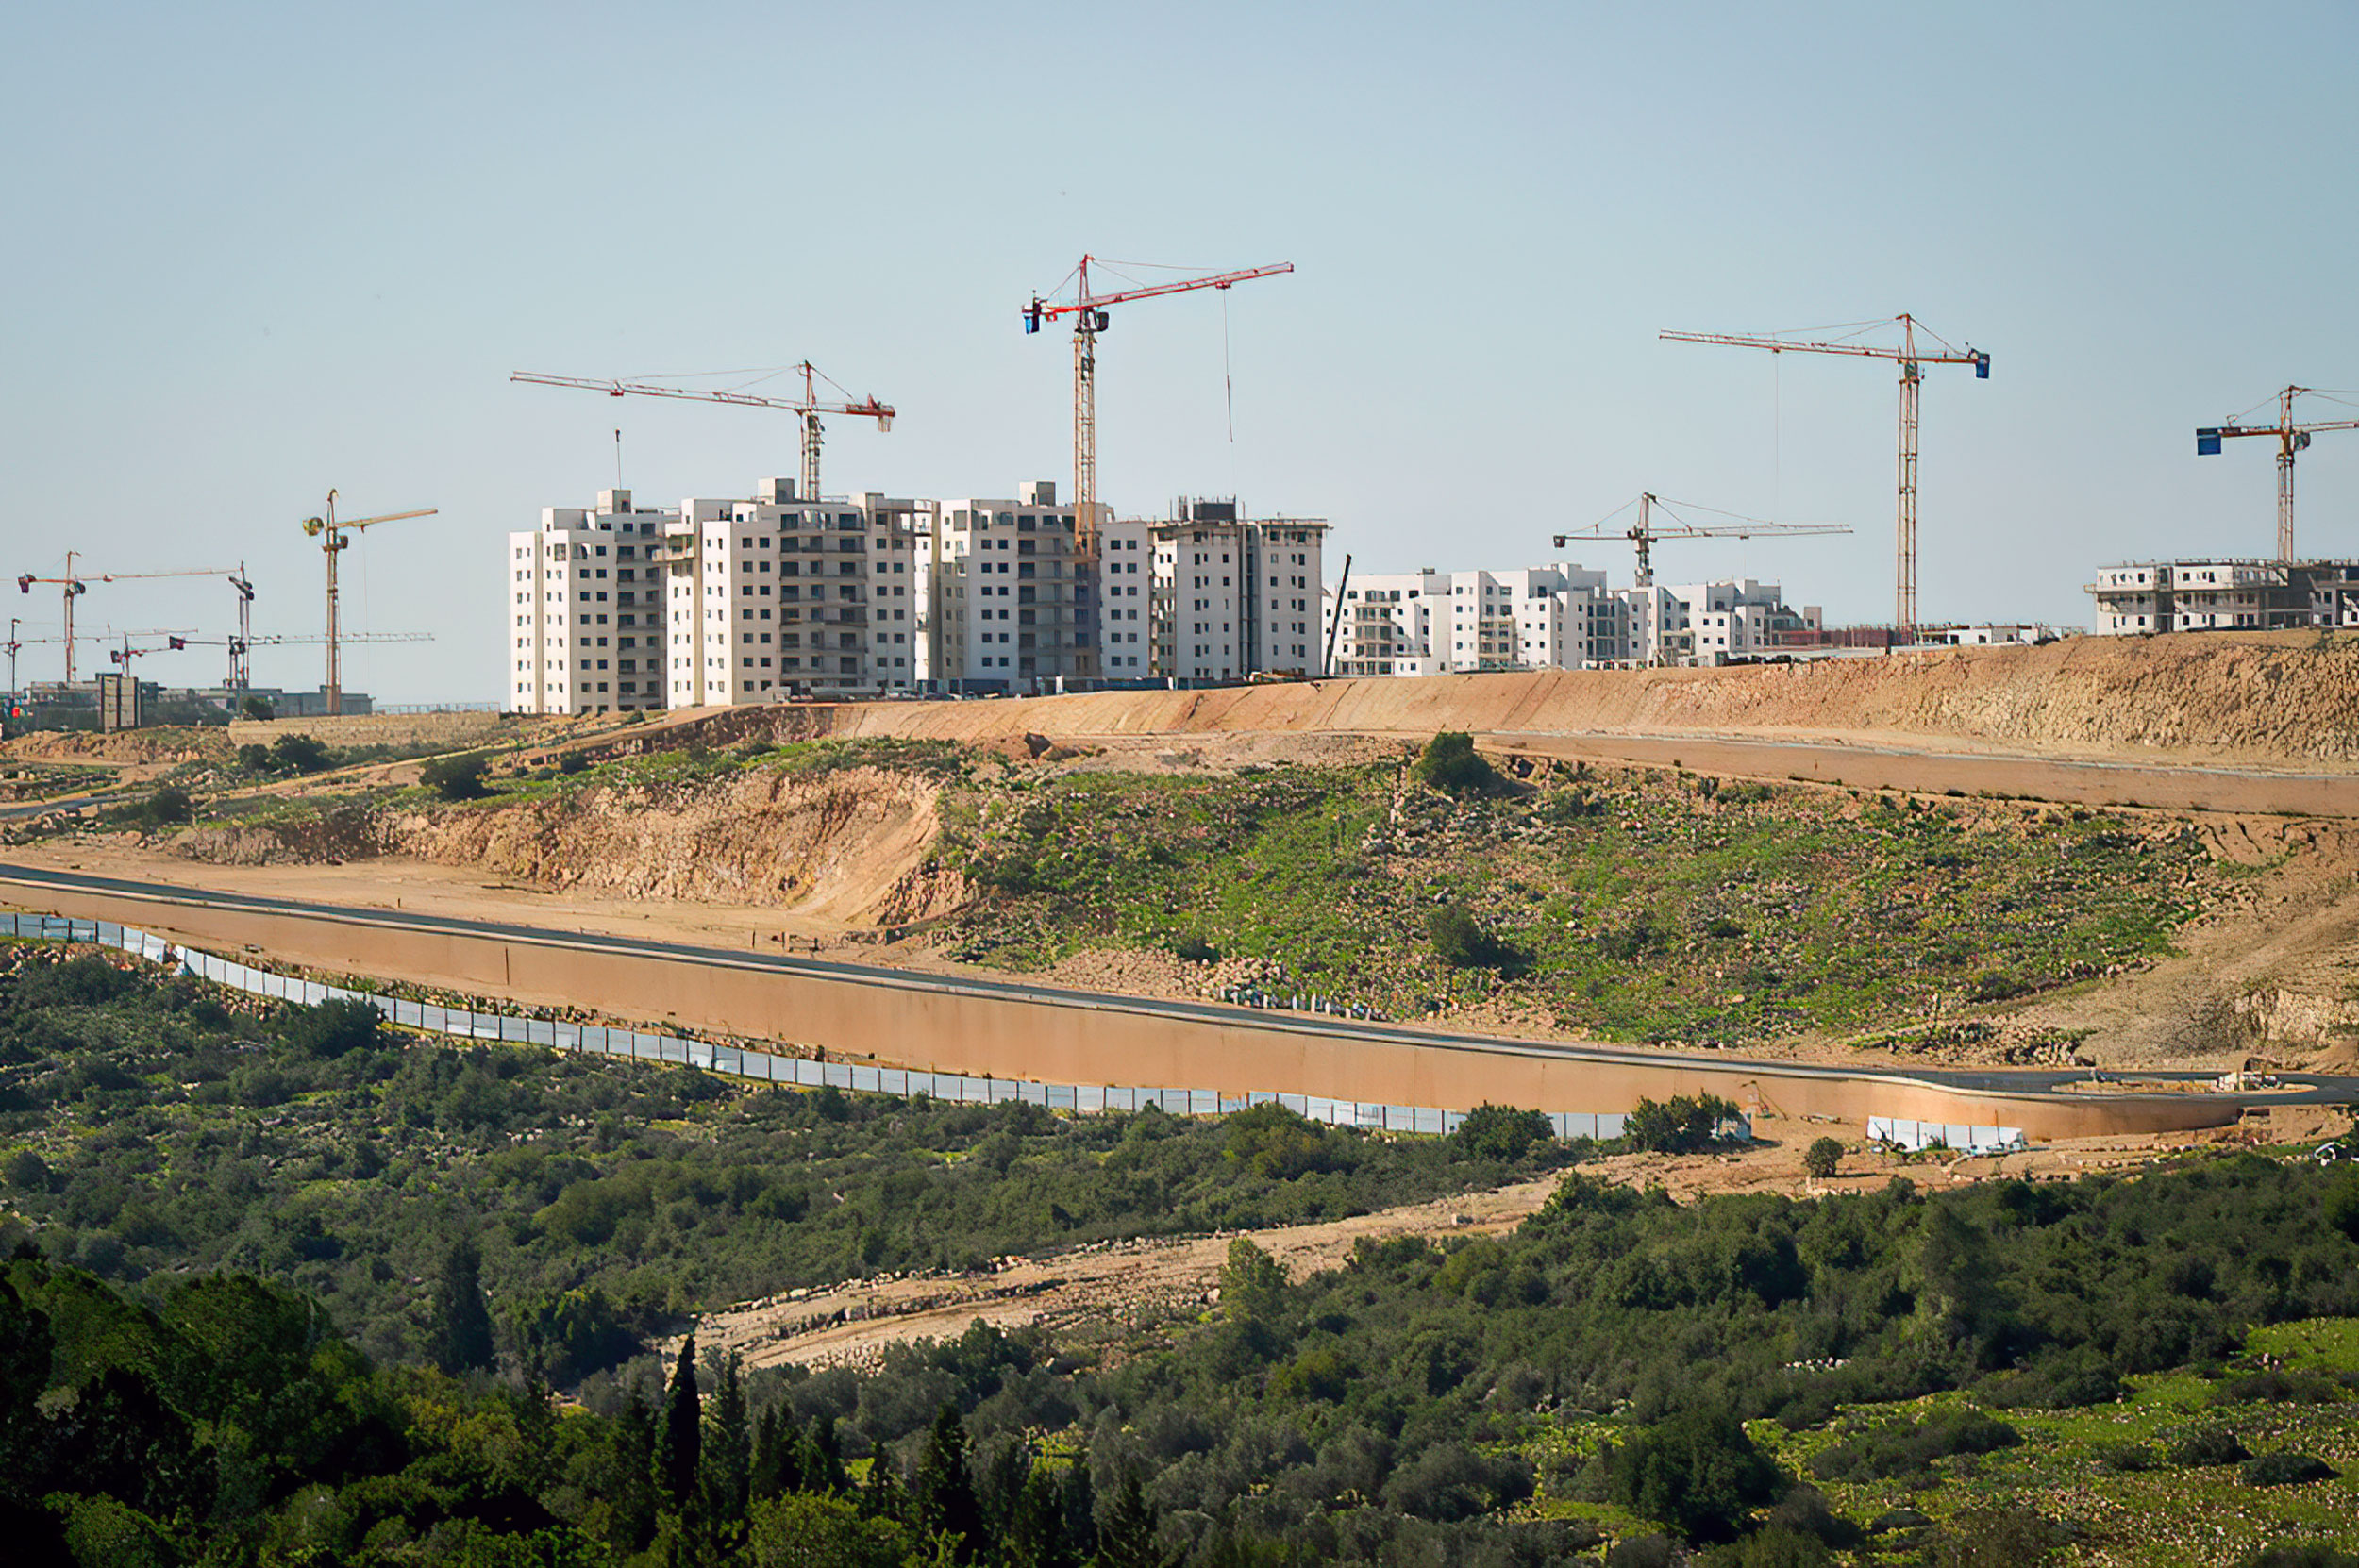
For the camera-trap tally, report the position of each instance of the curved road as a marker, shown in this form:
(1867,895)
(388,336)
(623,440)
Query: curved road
(30,884)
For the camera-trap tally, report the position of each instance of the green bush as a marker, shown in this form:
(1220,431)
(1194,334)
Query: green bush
(1696,1472)
(571,762)
(1684,1124)
(1823,1157)
(1450,764)
(1502,1132)
(458,777)
(2286,1468)
(299,754)
(2206,1446)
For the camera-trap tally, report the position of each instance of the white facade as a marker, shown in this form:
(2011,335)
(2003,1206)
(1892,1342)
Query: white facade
(2224,594)
(776,597)
(1556,617)
(1234,597)
(1126,600)
(1000,581)
(586,615)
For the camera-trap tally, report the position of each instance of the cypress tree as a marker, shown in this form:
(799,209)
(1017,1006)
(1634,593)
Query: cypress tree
(728,1455)
(461,1329)
(684,1427)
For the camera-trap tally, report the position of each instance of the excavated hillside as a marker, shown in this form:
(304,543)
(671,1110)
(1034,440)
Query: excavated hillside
(849,845)
(2275,699)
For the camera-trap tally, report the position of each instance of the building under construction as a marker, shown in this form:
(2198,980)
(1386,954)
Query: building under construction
(2224,594)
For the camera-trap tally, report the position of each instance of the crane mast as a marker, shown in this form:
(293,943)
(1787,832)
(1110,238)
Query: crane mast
(1911,359)
(1088,311)
(334,537)
(72,587)
(2291,438)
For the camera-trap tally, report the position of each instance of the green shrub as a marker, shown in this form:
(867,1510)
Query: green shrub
(571,762)
(2207,1445)
(2286,1468)
(1502,1132)
(299,754)
(1684,1124)
(1823,1157)
(1451,765)
(457,778)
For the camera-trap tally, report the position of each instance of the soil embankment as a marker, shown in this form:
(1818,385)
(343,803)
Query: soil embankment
(2265,700)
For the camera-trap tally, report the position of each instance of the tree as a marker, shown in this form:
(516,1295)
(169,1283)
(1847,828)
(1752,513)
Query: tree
(168,805)
(299,753)
(728,1450)
(258,707)
(458,777)
(942,1495)
(1502,1132)
(682,1450)
(1129,1536)
(1460,938)
(1696,1472)
(461,1329)
(1822,1158)
(333,1029)
(1451,765)
(2342,1207)
(1681,1125)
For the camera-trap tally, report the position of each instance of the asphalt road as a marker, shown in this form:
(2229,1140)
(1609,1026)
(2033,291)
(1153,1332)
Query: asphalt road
(32,881)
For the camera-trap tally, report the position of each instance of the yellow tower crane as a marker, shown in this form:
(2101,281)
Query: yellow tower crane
(333,537)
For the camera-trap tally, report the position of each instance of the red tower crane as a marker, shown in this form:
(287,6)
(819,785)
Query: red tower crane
(2291,438)
(809,405)
(1911,359)
(1088,311)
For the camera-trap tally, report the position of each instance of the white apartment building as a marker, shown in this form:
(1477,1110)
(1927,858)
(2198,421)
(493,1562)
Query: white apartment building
(1003,585)
(1561,616)
(2224,594)
(1233,597)
(587,619)
(1122,613)
(777,597)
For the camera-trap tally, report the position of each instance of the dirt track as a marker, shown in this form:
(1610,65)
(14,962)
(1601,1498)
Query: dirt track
(1151,1281)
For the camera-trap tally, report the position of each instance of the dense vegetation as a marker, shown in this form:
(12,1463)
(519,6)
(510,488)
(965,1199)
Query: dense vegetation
(299,1290)
(1645,907)
(154,1129)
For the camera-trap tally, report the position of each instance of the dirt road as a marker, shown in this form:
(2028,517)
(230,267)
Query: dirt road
(1142,1283)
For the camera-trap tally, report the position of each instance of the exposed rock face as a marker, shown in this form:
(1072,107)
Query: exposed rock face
(849,845)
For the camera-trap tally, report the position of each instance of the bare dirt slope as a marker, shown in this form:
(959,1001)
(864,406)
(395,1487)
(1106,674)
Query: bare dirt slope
(2275,699)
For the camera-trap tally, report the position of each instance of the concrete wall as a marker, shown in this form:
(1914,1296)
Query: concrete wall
(924,1022)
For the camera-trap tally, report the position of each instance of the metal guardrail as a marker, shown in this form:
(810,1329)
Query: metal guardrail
(768,1067)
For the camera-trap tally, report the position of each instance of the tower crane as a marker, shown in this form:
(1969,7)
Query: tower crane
(1645,531)
(242,646)
(333,537)
(1911,359)
(238,581)
(1088,311)
(2291,438)
(808,406)
(72,587)
(16,643)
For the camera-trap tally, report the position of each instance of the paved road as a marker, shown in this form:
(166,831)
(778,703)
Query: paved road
(31,883)
(67,803)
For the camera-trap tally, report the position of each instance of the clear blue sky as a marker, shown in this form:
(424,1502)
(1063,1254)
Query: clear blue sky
(255,251)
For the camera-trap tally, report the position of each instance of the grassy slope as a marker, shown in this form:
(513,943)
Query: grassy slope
(1648,907)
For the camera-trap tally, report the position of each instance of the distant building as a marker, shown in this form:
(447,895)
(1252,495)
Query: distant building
(1231,596)
(1001,582)
(587,609)
(1556,617)
(2221,592)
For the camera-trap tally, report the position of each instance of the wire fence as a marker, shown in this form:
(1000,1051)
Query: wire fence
(770,1067)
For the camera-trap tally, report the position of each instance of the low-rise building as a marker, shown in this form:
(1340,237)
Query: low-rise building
(2224,593)
(1557,617)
